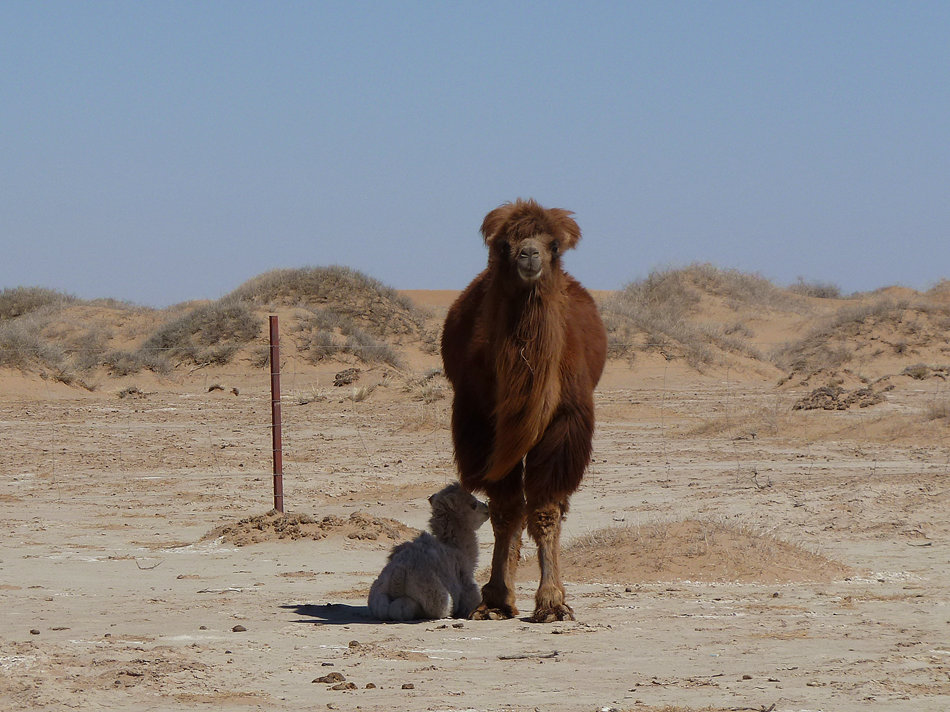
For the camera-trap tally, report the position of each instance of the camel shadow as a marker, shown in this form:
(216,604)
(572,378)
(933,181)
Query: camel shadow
(331,613)
(341,614)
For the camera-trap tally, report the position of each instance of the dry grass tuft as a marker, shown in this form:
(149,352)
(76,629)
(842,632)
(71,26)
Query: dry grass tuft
(207,335)
(820,290)
(325,334)
(18,301)
(23,347)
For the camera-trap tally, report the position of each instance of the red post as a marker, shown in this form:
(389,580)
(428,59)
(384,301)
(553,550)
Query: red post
(275,415)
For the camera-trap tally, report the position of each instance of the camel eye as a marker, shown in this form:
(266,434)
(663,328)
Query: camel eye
(554,247)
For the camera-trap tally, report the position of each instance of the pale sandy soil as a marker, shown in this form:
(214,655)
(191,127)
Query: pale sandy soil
(770,557)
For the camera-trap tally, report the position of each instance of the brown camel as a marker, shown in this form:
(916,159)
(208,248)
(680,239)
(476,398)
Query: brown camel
(524,347)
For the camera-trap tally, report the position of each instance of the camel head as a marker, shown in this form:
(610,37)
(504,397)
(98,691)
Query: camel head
(525,241)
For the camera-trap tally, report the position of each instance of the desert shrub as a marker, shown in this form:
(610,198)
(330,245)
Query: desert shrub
(918,371)
(207,335)
(22,347)
(811,354)
(822,290)
(346,292)
(322,334)
(17,301)
(125,363)
(88,348)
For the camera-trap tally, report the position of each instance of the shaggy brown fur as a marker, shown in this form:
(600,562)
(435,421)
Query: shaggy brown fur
(524,347)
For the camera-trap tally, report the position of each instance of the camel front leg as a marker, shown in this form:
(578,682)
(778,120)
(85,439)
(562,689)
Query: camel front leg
(506,505)
(544,525)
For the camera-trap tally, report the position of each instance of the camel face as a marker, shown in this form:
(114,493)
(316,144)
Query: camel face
(526,241)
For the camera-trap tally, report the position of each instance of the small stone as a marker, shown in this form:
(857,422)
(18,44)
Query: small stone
(332,678)
(458,625)
(746,677)
(354,644)
(344,686)
(370,686)
(408,686)
(238,629)
(202,627)
(34,631)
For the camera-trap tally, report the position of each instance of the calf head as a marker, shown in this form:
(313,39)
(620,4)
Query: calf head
(525,240)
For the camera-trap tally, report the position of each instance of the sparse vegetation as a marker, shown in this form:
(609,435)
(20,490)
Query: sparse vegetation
(361,393)
(662,313)
(18,301)
(22,347)
(918,371)
(208,335)
(897,327)
(821,290)
(338,295)
(321,334)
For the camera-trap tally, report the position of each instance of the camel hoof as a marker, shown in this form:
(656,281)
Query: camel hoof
(562,612)
(487,613)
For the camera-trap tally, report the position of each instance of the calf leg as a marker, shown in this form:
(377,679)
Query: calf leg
(506,505)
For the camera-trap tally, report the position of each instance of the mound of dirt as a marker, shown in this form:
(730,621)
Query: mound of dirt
(688,551)
(275,526)
(837,398)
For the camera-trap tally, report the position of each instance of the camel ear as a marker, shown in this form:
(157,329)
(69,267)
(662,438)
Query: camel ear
(568,232)
(431,497)
(494,221)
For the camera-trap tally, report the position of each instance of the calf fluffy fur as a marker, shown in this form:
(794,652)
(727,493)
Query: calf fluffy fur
(432,576)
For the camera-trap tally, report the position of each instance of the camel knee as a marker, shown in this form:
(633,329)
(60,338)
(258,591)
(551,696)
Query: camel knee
(545,522)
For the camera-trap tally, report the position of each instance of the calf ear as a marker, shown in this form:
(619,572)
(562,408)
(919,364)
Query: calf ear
(569,233)
(494,221)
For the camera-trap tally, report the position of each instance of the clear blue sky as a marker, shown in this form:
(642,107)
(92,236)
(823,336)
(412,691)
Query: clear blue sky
(164,151)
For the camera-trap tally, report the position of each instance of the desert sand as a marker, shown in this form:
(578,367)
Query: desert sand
(726,551)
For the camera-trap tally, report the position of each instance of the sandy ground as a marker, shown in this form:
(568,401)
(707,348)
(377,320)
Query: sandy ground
(754,555)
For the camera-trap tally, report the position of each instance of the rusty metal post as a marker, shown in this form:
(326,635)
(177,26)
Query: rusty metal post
(275,414)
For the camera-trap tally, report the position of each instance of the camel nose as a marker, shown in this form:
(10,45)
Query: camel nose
(529,258)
